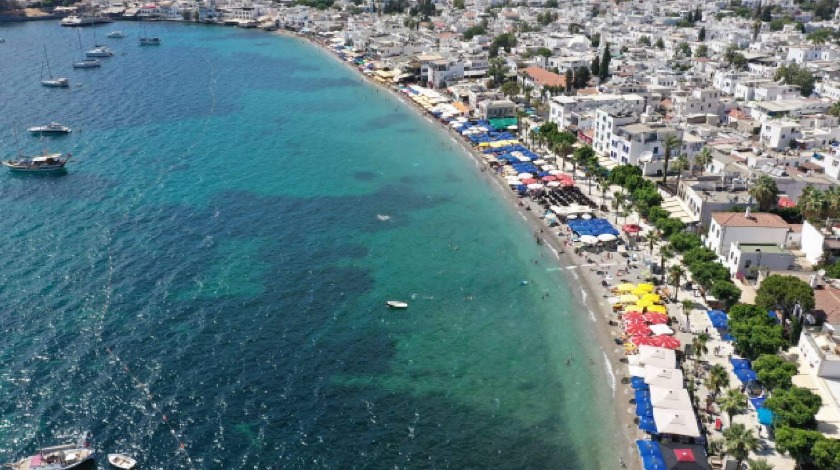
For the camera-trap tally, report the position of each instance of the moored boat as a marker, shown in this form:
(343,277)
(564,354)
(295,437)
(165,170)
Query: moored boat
(99,51)
(87,64)
(51,128)
(396,304)
(45,164)
(57,82)
(62,457)
(121,461)
(76,21)
(115,35)
(153,41)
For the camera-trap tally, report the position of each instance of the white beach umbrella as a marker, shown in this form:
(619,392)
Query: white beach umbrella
(661,330)
(540,162)
(525,176)
(553,184)
(670,399)
(606,237)
(589,239)
(661,357)
(535,186)
(555,172)
(680,422)
(585,216)
(512,180)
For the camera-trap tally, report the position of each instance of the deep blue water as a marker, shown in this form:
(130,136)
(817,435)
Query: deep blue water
(205,287)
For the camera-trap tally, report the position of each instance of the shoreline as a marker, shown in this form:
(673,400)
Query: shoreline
(578,270)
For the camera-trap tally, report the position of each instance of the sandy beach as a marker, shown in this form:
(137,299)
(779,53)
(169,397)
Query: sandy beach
(585,270)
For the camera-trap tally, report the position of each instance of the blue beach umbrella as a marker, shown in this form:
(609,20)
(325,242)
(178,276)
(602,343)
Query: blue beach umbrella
(653,462)
(647,424)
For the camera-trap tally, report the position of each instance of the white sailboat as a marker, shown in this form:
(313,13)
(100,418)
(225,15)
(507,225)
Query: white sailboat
(98,49)
(85,63)
(148,40)
(57,82)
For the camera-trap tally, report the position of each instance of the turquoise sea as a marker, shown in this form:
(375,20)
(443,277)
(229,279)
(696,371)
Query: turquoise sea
(205,287)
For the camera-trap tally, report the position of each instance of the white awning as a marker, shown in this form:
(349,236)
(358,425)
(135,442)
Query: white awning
(677,422)
(671,399)
(662,377)
(659,357)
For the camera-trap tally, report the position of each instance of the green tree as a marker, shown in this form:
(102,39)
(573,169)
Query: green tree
(835,109)
(684,241)
(595,40)
(755,337)
(670,226)
(544,51)
(795,407)
(700,342)
(670,143)
(582,156)
(717,379)
(498,69)
(582,76)
(767,14)
(794,74)
(783,293)
(726,291)
(569,80)
(504,41)
(733,402)
(675,273)
(683,50)
(702,51)
(574,28)
(798,443)
(595,66)
(660,44)
(459,4)
(774,372)
(645,198)
(739,442)
(705,273)
(644,41)
(819,36)
(474,31)
(748,312)
(702,159)
(606,58)
(701,35)
(765,192)
(826,454)
(510,88)
(699,254)
(812,203)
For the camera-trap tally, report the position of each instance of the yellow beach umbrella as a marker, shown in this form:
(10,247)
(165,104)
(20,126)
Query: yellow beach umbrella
(636,308)
(647,287)
(626,287)
(658,309)
(628,299)
(644,303)
(640,292)
(655,298)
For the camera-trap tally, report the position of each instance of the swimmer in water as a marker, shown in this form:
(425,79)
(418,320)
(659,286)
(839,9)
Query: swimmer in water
(569,360)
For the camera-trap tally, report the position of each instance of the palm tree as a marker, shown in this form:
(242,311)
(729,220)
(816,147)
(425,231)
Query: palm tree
(760,464)
(733,402)
(832,202)
(680,164)
(739,442)
(835,109)
(653,238)
(687,305)
(717,379)
(669,143)
(700,345)
(675,273)
(702,159)
(563,148)
(619,199)
(765,192)
(812,203)
(604,186)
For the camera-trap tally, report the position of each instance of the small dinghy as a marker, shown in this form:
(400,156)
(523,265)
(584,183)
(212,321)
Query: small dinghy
(396,304)
(121,461)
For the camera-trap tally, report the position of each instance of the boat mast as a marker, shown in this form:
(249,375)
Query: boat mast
(47,60)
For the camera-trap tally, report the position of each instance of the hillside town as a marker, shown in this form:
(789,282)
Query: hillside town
(709,132)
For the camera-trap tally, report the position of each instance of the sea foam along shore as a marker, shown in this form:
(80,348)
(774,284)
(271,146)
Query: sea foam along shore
(577,269)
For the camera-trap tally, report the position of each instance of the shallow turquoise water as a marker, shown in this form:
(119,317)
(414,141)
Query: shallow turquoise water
(204,288)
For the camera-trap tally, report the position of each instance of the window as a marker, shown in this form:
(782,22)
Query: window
(656,150)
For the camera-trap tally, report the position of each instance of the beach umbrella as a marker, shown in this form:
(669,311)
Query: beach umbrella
(637,329)
(644,303)
(528,181)
(655,298)
(553,184)
(657,309)
(632,316)
(586,216)
(549,178)
(627,298)
(589,239)
(646,286)
(640,340)
(555,172)
(525,176)
(661,329)
(607,237)
(640,292)
(535,186)
(571,217)
(656,318)
(663,341)
(626,287)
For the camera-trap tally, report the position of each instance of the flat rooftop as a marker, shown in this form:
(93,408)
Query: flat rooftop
(764,248)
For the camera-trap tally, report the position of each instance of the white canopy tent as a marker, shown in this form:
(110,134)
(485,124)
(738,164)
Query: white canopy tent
(662,377)
(671,399)
(677,422)
(636,371)
(661,330)
(660,357)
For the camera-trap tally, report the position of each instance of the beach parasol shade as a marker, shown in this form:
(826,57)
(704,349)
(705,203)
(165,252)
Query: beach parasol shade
(657,309)
(631,228)
(656,318)
(525,176)
(646,286)
(644,303)
(663,341)
(640,340)
(626,287)
(640,291)
(661,330)
(627,298)
(589,239)
(585,216)
(607,237)
(549,178)
(632,316)
(528,181)
(655,298)
(637,329)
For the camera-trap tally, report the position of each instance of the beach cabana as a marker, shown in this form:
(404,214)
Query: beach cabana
(671,399)
(658,357)
(677,422)
(662,377)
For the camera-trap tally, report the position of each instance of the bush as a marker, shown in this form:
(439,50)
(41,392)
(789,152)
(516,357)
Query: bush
(655,214)
(669,226)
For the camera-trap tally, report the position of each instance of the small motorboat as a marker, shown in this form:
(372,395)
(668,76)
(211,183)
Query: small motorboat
(51,128)
(121,461)
(153,41)
(87,64)
(99,51)
(56,83)
(115,35)
(397,304)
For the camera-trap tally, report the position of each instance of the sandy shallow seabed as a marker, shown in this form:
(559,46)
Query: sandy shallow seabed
(591,293)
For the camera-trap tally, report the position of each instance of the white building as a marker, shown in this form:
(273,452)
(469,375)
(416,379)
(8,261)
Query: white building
(743,256)
(566,110)
(777,135)
(745,227)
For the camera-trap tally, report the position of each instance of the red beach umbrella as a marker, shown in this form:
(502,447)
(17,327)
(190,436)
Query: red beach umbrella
(640,340)
(637,329)
(632,316)
(656,318)
(664,341)
(549,178)
(631,228)
(529,181)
